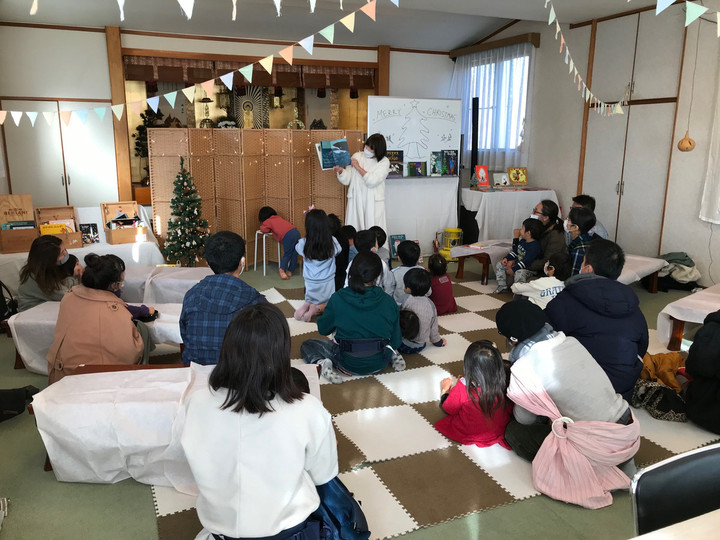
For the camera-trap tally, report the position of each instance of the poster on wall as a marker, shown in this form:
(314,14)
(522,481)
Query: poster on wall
(423,130)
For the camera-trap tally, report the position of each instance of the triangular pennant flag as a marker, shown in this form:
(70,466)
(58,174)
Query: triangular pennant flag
(562,44)
(100,111)
(575,74)
(121,5)
(137,106)
(307,44)
(3,114)
(369,9)
(34,7)
(16,116)
(118,110)
(662,5)
(189,93)
(187,7)
(312,6)
(328,33)
(153,103)
(552,15)
(247,72)
(557,29)
(227,79)
(49,117)
(579,83)
(66,116)
(587,94)
(277,6)
(209,87)
(82,114)
(618,109)
(32,115)
(572,65)
(718,23)
(693,12)
(267,63)
(583,87)
(234,11)
(349,21)
(170,97)
(287,54)
(396,2)
(546,3)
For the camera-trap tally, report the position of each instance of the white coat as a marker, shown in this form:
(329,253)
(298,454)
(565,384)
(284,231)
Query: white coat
(366,194)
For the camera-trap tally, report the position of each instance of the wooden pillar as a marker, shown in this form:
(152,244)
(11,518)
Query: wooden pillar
(383,72)
(586,108)
(120,127)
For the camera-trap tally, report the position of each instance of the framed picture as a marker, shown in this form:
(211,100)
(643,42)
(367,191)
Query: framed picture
(517,175)
(481,175)
(395,239)
(501,179)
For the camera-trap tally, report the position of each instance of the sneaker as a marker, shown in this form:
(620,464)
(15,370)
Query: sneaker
(328,371)
(397,362)
(500,290)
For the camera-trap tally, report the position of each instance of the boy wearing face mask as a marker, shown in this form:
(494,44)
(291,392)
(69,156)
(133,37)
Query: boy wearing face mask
(540,291)
(526,249)
(578,225)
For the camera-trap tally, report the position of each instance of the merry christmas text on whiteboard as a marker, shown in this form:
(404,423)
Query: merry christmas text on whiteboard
(416,126)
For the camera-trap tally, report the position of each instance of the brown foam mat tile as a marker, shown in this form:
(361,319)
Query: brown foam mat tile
(430,410)
(413,361)
(490,314)
(440,485)
(456,369)
(286,307)
(467,276)
(365,393)
(504,296)
(183,525)
(460,291)
(491,334)
(349,456)
(297,341)
(293,294)
(650,453)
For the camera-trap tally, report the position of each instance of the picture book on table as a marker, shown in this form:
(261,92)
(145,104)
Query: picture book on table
(437,167)
(518,176)
(331,153)
(396,163)
(89,233)
(450,162)
(417,168)
(482,175)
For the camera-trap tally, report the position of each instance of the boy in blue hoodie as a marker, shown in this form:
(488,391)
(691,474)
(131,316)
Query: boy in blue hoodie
(525,250)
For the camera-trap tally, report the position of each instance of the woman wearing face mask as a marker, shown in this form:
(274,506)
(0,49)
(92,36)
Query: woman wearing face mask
(43,278)
(365,178)
(552,241)
(94,325)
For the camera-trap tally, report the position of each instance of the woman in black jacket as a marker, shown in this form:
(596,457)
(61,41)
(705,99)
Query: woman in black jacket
(703,365)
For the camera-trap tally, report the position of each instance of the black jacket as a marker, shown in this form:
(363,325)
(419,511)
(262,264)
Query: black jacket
(703,364)
(604,315)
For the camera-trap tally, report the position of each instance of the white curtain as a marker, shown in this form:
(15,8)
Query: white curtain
(710,203)
(502,80)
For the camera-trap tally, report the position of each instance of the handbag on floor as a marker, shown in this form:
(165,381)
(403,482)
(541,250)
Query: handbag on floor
(340,513)
(662,402)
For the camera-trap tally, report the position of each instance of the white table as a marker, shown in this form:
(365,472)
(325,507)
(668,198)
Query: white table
(106,427)
(420,207)
(692,308)
(637,267)
(33,331)
(488,253)
(499,212)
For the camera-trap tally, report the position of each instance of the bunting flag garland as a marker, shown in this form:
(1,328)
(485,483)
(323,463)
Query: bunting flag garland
(349,21)
(328,32)
(3,114)
(170,97)
(662,5)
(718,23)
(118,110)
(66,117)
(16,116)
(227,79)
(247,72)
(552,14)
(693,11)
(121,5)
(137,106)
(187,7)
(308,43)
(267,63)
(32,115)
(277,6)
(397,3)
(34,7)
(209,87)
(234,10)
(312,6)
(189,93)
(49,117)
(369,9)
(82,114)
(153,103)
(287,54)
(100,111)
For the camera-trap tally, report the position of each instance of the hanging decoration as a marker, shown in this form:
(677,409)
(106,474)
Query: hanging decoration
(686,144)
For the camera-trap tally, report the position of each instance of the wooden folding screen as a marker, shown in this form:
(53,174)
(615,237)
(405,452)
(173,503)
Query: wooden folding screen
(165,147)
(202,168)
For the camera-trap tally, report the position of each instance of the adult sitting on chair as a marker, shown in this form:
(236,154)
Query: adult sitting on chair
(604,315)
(210,305)
(703,364)
(94,326)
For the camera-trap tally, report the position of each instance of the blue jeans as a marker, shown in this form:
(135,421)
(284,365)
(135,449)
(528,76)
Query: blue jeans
(407,349)
(314,350)
(289,258)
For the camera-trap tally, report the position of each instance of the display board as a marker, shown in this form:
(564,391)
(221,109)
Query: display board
(423,135)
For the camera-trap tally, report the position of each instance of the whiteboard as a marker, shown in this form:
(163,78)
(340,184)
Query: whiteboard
(416,126)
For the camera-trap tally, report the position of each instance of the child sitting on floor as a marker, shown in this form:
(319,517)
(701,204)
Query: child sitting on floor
(526,249)
(366,241)
(417,284)
(319,249)
(341,259)
(282,231)
(578,224)
(441,287)
(478,409)
(382,251)
(350,232)
(540,291)
(366,326)
(408,252)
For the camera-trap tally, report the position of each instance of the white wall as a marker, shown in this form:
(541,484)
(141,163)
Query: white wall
(420,75)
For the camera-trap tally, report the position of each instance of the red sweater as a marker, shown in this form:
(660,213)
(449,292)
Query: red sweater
(277,226)
(467,424)
(442,295)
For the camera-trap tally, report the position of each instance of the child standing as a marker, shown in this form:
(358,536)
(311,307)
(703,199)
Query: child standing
(526,249)
(478,410)
(409,253)
(417,284)
(540,291)
(366,324)
(441,287)
(578,224)
(282,231)
(319,250)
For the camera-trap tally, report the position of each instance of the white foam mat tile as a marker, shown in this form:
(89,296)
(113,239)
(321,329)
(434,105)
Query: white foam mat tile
(273,296)
(415,385)
(296,303)
(385,516)
(677,437)
(169,501)
(508,469)
(479,302)
(453,350)
(465,322)
(298,328)
(478,286)
(369,430)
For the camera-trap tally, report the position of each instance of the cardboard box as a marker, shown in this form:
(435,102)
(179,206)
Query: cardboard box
(52,213)
(109,211)
(17,208)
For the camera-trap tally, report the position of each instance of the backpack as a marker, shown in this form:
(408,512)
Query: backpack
(8,304)
(341,514)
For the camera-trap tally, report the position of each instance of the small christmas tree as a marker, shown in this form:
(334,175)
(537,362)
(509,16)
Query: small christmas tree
(186,230)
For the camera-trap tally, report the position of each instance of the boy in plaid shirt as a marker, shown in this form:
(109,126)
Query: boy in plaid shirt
(578,225)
